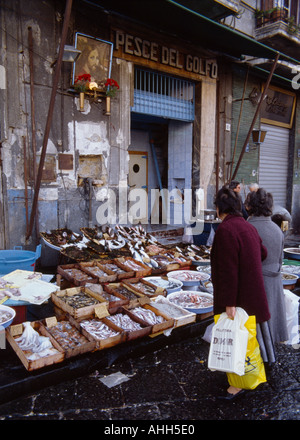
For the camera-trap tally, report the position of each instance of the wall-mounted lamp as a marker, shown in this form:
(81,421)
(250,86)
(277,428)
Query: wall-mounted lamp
(70,54)
(258,136)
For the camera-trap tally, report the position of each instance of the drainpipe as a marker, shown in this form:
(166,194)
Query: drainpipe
(50,114)
(263,95)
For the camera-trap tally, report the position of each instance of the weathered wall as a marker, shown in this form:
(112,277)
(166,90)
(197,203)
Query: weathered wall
(89,138)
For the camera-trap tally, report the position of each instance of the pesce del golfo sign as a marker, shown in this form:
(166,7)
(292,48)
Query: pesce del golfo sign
(135,46)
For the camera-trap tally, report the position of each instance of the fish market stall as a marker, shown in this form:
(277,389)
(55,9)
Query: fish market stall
(116,286)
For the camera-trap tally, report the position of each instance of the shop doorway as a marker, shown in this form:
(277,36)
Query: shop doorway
(138,183)
(148,159)
(162,125)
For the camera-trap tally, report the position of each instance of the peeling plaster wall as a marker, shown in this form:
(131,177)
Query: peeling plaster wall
(62,202)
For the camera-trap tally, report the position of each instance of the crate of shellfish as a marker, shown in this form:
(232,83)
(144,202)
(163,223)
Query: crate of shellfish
(140,269)
(95,269)
(76,275)
(100,331)
(68,336)
(34,346)
(77,301)
(144,287)
(157,319)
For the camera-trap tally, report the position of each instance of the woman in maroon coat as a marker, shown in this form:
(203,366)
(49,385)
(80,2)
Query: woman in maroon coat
(236,267)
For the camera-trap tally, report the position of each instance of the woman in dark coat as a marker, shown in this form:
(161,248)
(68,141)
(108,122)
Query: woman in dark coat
(236,264)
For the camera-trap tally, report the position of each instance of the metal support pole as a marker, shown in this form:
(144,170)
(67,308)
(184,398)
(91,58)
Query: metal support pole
(50,113)
(255,116)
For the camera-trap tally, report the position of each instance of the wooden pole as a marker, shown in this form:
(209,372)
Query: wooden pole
(255,116)
(50,114)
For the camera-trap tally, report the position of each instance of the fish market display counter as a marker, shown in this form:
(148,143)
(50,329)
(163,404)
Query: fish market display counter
(17,381)
(117,296)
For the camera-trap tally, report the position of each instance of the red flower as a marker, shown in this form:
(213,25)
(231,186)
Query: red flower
(81,82)
(85,77)
(111,83)
(111,87)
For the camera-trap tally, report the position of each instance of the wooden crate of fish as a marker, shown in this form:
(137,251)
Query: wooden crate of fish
(140,269)
(113,300)
(67,335)
(181,316)
(144,287)
(34,346)
(102,332)
(157,319)
(133,326)
(75,275)
(178,257)
(165,264)
(115,267)
(121,289)
(94,269)
(77,301)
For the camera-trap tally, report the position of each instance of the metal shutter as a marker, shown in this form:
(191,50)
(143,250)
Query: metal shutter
(273,162)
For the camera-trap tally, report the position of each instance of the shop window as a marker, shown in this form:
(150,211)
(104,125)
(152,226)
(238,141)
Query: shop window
(162,95)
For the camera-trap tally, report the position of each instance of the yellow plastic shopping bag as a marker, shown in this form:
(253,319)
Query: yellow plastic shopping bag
(254,367)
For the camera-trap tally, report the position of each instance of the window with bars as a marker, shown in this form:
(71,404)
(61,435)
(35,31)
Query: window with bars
(162,95)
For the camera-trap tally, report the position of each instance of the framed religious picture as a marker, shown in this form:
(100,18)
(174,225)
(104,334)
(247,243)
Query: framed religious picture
(95,59)
(278,107)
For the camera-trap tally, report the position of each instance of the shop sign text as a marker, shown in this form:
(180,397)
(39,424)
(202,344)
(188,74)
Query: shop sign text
(152,51)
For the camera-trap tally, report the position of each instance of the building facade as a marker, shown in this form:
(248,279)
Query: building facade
(176,127)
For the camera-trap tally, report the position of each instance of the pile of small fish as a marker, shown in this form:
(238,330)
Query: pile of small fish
(196,253)
(131,265)
(33,344)
(113,267)
(148,315)
(144,288)
(125,322)
(79,300)
(165,283)
(77,274)
(95,270)
(124,292)
(110,297)
(5,316)
(188,275)
(190,300)
(168,308)
(67,335)
(98,329)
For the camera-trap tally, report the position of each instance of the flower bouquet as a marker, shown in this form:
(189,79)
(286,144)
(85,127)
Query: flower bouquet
(81,83)
(111,87)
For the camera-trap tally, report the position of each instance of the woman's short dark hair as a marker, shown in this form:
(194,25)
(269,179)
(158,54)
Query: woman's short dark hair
(233,184)
(259,203)
(228,202)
